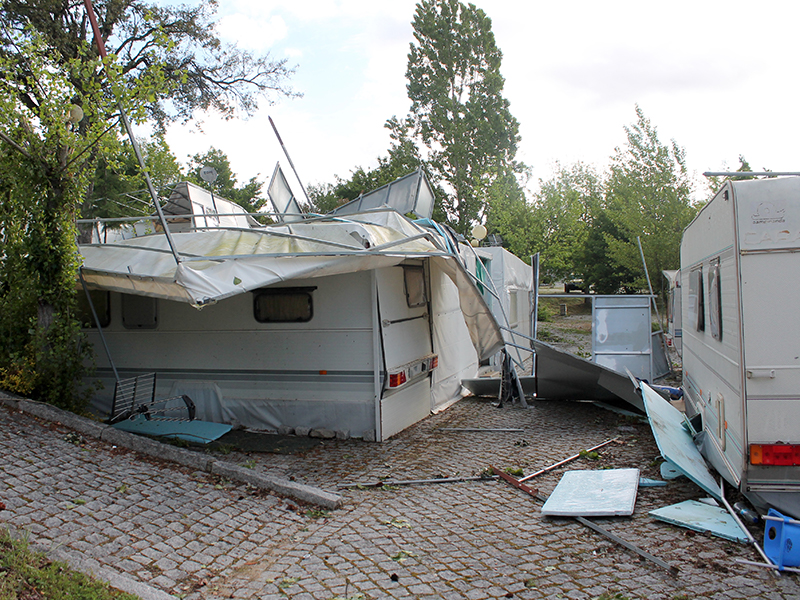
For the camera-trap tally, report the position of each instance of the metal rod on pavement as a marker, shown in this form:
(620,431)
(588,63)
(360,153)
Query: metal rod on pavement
(416,481)
(479,429)
(741,525)
(625,544)
(566,460)
(753,563)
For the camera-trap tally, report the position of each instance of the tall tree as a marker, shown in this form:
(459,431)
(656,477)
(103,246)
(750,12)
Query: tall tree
(458,111)
(648,195)
(57,100)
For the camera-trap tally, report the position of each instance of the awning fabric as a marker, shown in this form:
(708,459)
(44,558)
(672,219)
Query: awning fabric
(218,264)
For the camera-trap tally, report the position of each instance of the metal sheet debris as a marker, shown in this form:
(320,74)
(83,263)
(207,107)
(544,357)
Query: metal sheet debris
(669,470)
(604,493)
(594,526)
(564,376)
(199,432)
(645,482)
(674,441)
(699,516)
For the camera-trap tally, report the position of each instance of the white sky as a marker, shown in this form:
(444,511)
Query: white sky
(718,77)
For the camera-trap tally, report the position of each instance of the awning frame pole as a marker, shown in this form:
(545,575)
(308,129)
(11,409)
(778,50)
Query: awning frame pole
(102,50)
(97,322)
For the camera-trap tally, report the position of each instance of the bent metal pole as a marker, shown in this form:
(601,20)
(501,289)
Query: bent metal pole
(101,48)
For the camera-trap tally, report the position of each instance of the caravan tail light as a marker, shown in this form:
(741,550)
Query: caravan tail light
(408,372)
(397,379)
(779,455)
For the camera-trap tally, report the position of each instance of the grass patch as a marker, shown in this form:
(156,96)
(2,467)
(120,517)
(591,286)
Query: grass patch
(26,574)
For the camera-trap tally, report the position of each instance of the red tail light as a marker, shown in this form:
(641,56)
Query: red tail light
(779,455)
(397,379)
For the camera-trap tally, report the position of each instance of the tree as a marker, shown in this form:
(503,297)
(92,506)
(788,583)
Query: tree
(562,211)
(458,111)
(118,187)
(509,216)
(57,101)
(648,196)
(248,196)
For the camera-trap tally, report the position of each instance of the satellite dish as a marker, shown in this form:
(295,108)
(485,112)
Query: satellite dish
(208,174)
(479,232)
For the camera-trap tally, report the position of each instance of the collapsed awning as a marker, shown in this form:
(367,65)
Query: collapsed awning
(219,263)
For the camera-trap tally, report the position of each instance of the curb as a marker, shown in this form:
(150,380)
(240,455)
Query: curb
(112,578)
(186,458)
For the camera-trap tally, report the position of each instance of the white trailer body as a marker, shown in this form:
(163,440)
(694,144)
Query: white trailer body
(362,324)
(740,284)
(512,281)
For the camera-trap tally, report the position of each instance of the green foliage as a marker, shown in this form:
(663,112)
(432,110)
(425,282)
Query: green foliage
(42,178)
(510,216)
(248,196)
(458,111)
(561,213)
(167,63)
(28,574)
(118,188)
(592,261)
(648,195)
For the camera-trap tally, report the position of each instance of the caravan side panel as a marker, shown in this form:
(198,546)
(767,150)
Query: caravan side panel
(712,352)
(769,232)
(313,374)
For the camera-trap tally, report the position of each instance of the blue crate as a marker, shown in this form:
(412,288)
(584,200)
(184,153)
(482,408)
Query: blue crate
(782,540)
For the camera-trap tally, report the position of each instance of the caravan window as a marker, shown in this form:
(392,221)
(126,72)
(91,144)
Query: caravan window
(715,300)
(513,308)
(102,306)
(414,281)
(697,305)
(139,312)
(283,305)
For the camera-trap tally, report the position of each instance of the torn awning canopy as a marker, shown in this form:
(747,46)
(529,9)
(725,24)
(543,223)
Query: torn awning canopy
(220,263)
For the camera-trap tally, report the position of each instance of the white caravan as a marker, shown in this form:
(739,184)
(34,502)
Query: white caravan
(740,282)
(360,323)
(512,282)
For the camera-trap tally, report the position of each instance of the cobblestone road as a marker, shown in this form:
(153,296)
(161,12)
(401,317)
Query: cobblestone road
(197,537)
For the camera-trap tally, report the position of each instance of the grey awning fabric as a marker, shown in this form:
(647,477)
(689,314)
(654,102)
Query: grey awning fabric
(220,263)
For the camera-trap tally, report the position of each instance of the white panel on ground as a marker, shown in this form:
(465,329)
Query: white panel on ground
(606,493)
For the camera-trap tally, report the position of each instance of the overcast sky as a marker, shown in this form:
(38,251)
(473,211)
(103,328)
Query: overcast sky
(720,78)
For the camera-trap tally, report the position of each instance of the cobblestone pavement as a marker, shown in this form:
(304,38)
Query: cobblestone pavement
(188,534)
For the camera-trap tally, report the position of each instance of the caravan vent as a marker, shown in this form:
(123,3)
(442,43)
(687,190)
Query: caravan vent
(780,455)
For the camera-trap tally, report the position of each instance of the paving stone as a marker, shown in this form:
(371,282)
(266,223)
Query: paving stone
(174,525)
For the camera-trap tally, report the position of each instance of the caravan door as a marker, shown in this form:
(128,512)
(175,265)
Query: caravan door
(404,309)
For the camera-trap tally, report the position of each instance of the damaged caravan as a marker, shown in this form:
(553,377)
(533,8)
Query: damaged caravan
(739,276)
(360,323)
